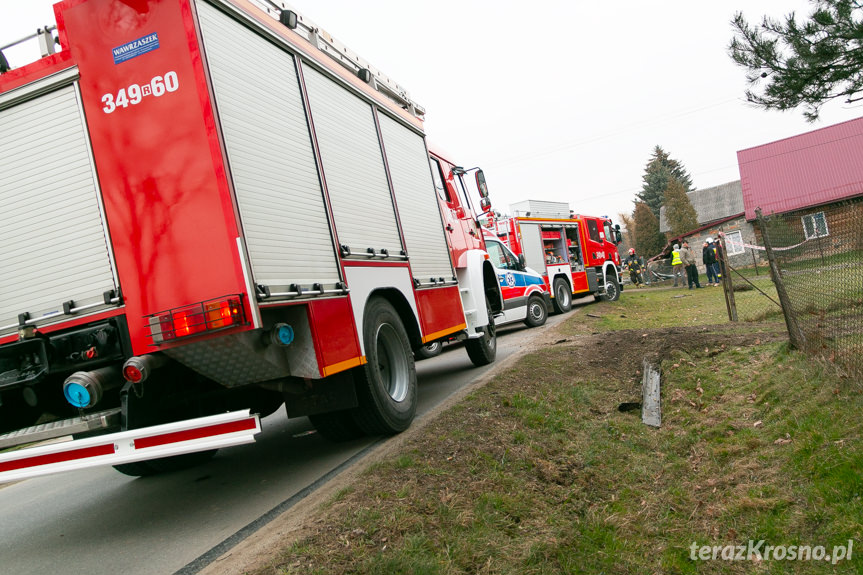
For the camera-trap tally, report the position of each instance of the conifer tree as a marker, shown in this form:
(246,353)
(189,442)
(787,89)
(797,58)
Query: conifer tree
(679,213)
(808,63)
(657,173)
(648,240)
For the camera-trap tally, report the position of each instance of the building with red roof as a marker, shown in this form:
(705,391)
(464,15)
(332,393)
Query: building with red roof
(816,176)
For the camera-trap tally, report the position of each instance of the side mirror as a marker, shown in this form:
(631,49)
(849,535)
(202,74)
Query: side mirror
(522,262)
(617,235)
(481,185)
(485,204)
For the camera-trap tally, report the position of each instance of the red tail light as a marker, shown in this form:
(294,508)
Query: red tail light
(188,322)
(206,316)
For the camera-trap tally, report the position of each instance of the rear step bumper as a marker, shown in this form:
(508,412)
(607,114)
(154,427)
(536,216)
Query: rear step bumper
(87,423)
(189,436)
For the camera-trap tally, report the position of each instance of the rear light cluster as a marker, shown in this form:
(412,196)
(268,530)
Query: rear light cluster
(206,316)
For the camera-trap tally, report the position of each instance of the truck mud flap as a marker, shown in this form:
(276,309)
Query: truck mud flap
(188,436)
(592,281)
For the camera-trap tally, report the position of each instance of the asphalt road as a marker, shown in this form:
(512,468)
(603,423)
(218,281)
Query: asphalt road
(98,521)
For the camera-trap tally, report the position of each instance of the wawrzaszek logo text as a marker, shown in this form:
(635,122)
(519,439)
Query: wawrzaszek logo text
(760,551)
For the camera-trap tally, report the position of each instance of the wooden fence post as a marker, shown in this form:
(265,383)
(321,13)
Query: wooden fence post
(727,283)
(795,336)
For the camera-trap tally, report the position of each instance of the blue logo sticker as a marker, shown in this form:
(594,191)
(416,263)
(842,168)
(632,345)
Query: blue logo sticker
(135,48)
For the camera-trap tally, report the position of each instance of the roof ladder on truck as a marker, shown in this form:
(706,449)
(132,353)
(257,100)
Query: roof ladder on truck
(323,41)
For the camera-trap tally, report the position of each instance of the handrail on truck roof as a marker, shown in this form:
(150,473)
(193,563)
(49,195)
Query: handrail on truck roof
(324,41)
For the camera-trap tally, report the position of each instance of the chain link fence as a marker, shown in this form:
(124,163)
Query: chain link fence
(750,294)
(804,268)
(813,277)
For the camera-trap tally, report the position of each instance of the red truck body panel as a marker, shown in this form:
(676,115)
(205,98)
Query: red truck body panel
(167,200)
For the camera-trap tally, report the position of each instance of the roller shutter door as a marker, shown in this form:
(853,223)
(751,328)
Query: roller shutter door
(353,166)
(270,154)
(531,243)
(417,201)
(53,238)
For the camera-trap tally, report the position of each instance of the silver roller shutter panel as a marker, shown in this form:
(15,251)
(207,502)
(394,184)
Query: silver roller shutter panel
(417,201)
(53,238)
(270,154)
(531,243)
(353,166)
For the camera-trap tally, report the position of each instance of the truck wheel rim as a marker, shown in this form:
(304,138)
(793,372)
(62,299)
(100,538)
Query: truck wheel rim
(392,364)
(563,294)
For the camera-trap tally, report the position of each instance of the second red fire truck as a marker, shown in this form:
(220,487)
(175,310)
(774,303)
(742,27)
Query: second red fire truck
(577,255)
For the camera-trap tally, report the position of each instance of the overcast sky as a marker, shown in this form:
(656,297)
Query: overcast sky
(557,100)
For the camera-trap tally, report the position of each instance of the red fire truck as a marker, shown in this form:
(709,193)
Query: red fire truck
(577,255)
(211,208)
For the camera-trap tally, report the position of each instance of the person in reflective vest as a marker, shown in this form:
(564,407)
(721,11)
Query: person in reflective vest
(719,266)
(713,247)
(677,266)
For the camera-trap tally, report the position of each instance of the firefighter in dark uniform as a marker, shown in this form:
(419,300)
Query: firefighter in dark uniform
(633,263)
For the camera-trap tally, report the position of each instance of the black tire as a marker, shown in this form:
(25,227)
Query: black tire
(137,469)
(612,290)
(263,401)
(482,350)
(165,464)
(387,383)
(153,415)
(337,426)
(537,313)
(429,351)
(562,299)
(178,462)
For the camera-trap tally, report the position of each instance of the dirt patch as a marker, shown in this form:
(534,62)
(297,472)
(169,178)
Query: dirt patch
(620,353)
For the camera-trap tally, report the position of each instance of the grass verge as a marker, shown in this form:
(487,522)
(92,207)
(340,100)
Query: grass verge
(539,472)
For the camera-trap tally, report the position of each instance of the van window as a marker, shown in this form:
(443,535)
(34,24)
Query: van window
(501,258)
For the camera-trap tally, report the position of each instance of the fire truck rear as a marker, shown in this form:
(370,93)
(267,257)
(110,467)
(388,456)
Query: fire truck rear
(211,208)
(576,254)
